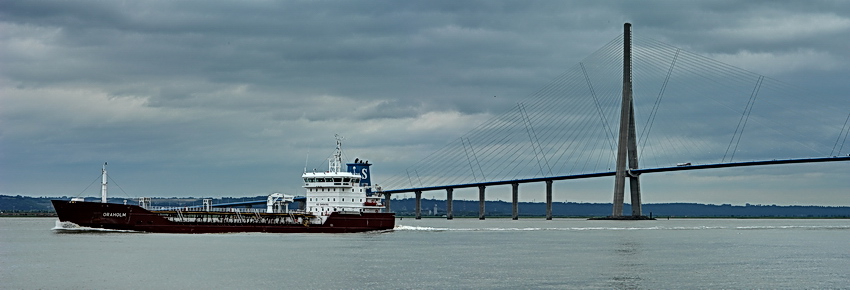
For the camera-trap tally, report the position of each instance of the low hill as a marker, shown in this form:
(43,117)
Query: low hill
(469,208)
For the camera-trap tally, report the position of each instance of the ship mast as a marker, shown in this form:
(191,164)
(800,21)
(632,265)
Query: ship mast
(336,161)
(103,185)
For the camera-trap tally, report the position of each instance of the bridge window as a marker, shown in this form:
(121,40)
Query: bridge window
(346,179)
(337,179)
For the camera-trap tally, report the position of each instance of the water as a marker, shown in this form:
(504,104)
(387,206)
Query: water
(435,253)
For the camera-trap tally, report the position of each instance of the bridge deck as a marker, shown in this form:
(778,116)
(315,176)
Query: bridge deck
(636,171)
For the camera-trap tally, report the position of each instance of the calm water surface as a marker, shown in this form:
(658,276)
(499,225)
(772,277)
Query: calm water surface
(436,253)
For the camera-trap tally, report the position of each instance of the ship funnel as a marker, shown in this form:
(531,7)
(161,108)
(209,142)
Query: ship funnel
(361,167)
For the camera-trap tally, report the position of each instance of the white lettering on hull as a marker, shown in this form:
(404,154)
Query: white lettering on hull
(115,214)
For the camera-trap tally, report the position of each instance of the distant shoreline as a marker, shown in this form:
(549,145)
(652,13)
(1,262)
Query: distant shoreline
(28,214)
(23,206)
(657,217)
(53,215)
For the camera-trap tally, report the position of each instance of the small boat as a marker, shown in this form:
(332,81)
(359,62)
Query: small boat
(335,201)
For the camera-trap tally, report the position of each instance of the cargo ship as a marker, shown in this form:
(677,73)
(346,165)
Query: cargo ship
(334,201)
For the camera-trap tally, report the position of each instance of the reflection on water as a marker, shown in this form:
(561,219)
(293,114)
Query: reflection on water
(629,253)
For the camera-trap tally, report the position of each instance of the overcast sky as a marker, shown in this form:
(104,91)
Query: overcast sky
(232,98)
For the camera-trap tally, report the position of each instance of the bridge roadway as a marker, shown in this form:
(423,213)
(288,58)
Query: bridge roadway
(548,180)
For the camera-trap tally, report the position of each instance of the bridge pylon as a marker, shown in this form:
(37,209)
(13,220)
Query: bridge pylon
(627,142)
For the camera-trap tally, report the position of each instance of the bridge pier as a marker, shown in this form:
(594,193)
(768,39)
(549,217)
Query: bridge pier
(548,199)
(387,202)
(481,202)
(449,201)
(514,201)
(418,204)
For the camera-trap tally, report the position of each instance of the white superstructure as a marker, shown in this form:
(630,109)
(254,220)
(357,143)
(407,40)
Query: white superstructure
(335,190)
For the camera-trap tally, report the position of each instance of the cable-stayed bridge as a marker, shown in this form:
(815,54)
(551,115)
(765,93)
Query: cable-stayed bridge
(633,107)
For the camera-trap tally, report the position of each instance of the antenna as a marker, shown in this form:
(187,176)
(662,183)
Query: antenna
(306,159)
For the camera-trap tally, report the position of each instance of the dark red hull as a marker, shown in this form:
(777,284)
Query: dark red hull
(135,218)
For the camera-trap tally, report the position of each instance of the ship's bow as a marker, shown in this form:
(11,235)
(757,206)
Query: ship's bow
(93,214)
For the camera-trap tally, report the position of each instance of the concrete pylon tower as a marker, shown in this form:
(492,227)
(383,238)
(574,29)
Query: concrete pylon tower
(627,141)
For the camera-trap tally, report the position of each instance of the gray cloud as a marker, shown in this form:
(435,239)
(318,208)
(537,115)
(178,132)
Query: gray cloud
(201,96)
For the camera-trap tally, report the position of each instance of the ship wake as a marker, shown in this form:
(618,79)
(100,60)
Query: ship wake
(653,228)
(69,227)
